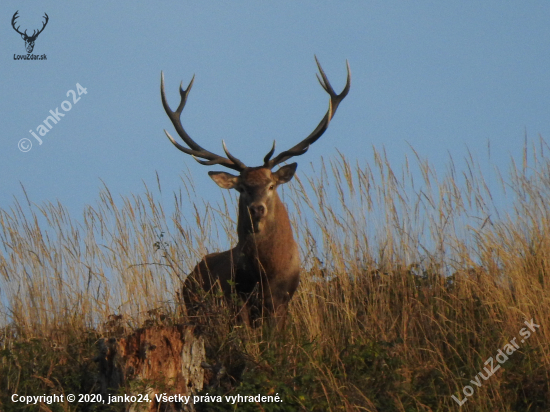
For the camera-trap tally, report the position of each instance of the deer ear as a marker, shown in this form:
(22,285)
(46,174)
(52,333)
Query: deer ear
(224,180)
(285,173)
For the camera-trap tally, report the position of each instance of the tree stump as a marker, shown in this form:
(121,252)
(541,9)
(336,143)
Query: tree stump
(156,360)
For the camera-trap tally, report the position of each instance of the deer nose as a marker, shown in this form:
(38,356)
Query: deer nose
(258,210)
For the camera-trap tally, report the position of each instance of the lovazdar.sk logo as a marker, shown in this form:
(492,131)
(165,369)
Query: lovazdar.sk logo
(29,39)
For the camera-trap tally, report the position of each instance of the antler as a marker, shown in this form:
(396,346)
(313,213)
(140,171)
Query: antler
(43,27)
(195,149)
(15,16)
(303,146)
(34,33)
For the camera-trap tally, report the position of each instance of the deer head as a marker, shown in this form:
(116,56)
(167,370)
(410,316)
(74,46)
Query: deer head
(29,40)
(258,193)
(257,185)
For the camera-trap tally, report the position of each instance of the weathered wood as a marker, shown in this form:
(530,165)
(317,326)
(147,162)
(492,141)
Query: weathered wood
(156,360)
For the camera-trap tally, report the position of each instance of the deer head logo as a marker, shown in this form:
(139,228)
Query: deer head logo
(29,40)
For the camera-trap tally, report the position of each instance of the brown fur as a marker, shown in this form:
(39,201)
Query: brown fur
(265,263)
(264,267)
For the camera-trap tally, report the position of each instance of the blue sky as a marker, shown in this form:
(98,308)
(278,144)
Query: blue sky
(441,77)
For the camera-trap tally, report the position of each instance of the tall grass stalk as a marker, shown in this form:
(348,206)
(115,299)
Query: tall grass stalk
(411,279)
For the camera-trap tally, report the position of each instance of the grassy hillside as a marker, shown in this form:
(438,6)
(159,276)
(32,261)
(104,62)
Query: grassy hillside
(411,281)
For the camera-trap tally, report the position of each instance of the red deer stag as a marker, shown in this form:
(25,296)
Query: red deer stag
(264,266)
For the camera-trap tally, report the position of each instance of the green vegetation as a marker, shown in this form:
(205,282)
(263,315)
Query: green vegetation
(408,287)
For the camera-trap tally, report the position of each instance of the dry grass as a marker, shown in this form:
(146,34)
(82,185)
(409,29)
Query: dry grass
(409,285)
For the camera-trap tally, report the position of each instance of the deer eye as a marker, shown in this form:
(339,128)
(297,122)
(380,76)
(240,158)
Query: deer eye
(271,187)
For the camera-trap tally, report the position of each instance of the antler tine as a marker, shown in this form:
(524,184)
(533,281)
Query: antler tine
(175,115)
(232,158)
(44,25)
(269,154)
(195,150)
(15,17)
(334,101)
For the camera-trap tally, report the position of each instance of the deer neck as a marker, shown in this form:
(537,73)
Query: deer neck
(276,235)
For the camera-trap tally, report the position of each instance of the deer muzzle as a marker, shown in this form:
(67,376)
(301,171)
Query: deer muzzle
(257,210)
